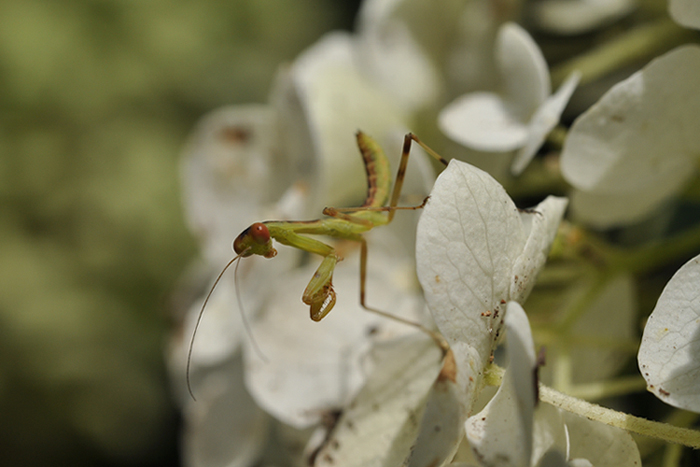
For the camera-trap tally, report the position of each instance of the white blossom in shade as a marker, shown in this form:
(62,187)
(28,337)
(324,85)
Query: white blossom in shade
(391,56)
(685,12)
(325,98)
(600,444)
(226,428)
(638,145)
(311,367)
(422,53)
(578,16)
(475,252)
(521,113)
(442,426)
(231,156)
(668,354)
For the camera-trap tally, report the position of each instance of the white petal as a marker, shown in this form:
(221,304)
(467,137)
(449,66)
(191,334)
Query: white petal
(543,221)
(499,122)
(605,210)
(510,430)
(483,121)
(432,33)
(501,434)
(497,435)
(390,56)
(602,445)
(544,120)
(336,100)
(442,426)
(523,70)
(668,354)
(224,427)
(315,366)
(218,336)
(641,131)
(380,425)
(579,16)
(469,236)
(685,12)
(549,432)
(228,159)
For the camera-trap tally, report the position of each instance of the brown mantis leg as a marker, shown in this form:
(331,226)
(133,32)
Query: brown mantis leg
(401,173)
(439,340)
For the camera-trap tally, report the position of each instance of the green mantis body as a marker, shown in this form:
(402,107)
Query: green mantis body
(348,224)
(345,223)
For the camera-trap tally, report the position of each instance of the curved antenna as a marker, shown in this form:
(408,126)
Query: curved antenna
(246,323)
(199,320)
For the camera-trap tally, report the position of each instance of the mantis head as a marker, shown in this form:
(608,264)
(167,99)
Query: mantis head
(255,240)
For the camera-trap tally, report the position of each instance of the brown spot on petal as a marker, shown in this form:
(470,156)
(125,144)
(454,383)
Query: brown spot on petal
(449,368)
(235,135)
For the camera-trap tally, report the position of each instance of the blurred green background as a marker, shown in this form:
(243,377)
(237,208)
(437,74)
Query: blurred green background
(96,100)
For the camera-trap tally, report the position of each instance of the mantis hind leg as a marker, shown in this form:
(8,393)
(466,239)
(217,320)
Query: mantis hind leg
(401,172)
(398,186)
(340,212)
(439,340)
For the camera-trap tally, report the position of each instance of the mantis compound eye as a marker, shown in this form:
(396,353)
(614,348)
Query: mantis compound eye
(259,233)
(251,239)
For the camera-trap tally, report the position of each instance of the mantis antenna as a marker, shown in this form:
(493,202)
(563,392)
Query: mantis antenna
(246,324)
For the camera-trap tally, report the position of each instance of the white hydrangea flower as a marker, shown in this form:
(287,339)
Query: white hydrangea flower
(638,146)
(226,427)
(322,99)
(521,114)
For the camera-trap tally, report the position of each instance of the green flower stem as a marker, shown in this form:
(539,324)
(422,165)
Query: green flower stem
(640,43)
(641,426)
(672,455)
(493,376)
(681,418)
(649,257)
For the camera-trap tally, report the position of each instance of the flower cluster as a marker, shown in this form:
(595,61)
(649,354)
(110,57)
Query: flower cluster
(360,389)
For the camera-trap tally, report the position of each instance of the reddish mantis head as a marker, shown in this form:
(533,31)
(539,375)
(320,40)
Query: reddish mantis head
(255,240)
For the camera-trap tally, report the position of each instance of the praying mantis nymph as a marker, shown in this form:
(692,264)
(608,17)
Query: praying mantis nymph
(343,223)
